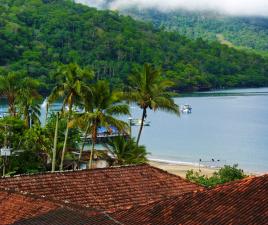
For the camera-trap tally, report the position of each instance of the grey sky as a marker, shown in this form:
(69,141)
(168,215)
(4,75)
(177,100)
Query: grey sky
(236,7)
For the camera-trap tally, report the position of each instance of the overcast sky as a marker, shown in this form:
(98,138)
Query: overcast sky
(235,7)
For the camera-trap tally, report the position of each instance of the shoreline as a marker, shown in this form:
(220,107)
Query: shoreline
(180,168)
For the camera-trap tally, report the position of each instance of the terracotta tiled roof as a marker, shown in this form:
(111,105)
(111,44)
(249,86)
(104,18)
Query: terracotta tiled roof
(14,207)
(24,209)
(242,202)
(104,189)
(65,216)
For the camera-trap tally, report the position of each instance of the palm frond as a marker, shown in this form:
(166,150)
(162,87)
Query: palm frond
(117,110)
(119,124)
(56,93)
(167,105)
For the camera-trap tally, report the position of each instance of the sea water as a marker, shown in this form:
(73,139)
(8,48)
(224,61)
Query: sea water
(225,127)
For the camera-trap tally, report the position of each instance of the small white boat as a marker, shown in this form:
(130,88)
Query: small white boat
(3,115)
(186,109)
(75,109)
(137,122)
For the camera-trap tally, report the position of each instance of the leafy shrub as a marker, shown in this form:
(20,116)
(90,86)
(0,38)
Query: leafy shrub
(224,175)
(126,151)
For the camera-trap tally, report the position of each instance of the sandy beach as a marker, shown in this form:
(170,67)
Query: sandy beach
(181,169)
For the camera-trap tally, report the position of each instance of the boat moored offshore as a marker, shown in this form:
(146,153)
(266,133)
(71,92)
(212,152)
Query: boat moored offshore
(186,108)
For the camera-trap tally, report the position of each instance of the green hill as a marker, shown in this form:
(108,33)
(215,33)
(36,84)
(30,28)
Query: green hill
(36,35)
(245,32)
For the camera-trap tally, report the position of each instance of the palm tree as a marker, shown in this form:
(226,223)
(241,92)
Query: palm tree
(127,151)
(149,91)
(9,87)
(27,101)
(74,83)
(88,107)
(54,151)
(101,111)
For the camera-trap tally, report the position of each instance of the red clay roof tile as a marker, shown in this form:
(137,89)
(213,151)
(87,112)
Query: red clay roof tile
(25,209)
(105,189)
(14,207)
(243,202)
(65,216)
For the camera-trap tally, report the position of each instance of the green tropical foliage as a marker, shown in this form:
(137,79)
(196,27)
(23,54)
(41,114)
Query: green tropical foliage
(224,175)
(9,88)
(32,147)
(38,35)
(11,131)
(127,152)
(23,160)
(149,91)
(103,109)
(70,88)
(44,43)
(72,140)
(28,101)
(33,151)
(244,32)
(72,82)
(26,162)
(37,139)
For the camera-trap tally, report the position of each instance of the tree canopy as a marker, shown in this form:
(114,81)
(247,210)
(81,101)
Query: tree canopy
(37,35)
(248,32)
(224,175)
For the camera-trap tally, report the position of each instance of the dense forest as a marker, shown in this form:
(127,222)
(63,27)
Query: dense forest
(237,31)
(37,35)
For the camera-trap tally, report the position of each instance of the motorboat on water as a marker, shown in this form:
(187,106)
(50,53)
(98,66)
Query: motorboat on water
(75,108)
(138,122)
(3,114)
(186,108)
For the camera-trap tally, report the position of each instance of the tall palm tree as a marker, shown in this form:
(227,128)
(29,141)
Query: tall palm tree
(127,152)
(54,151)
(27,101)
(150,91)
(73,84)
(101,111)
(88,108)
(9,87)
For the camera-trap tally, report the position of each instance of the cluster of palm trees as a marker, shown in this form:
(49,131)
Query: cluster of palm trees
(21,93)
(101,105)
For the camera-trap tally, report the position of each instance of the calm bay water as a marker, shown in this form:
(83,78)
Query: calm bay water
(231,126)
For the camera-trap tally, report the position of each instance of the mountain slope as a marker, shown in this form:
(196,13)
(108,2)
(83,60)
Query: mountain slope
(246,32)
(35,35)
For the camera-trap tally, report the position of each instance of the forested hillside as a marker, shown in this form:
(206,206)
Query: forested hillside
(245,32)
(36,35)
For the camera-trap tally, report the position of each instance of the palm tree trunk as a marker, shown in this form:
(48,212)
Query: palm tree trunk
(84,142)
(12,110)
(27,117)
(46,113)
(94,136)
(65,138)
(64,146)
(55,145)
(11,105)
(141,127)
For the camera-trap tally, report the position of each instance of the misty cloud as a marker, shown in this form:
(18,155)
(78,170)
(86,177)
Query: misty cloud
(234,7)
